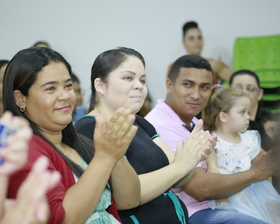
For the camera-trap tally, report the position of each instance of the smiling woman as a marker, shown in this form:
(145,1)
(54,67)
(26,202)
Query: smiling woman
(54,85)
(38,86)
(118,80)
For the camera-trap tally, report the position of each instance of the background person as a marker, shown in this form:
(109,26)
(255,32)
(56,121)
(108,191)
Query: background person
(250,83)
(193,43)
(3,65)
(147,106)
(41,43)
(270,122)
(79,110)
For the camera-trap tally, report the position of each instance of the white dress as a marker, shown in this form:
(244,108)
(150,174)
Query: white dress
(259,199)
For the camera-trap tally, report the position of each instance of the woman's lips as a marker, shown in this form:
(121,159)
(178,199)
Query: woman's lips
(67,108)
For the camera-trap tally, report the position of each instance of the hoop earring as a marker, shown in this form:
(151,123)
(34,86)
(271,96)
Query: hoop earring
(22,109)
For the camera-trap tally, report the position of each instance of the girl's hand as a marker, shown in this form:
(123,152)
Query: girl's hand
(112,139)
(15,152)
(224,200)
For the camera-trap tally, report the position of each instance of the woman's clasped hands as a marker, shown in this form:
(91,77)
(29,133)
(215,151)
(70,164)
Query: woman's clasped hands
(197,147)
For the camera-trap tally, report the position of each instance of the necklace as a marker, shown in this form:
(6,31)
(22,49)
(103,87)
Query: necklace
(61,148)
(64,153)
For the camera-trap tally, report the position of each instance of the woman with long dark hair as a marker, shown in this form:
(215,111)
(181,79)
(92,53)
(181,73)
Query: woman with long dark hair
(118,80)
(38,86)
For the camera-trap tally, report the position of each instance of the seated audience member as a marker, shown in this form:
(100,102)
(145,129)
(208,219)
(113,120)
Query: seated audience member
(270,122)
(250,83)
(41,44)
(147,106)
(38,86)
(188,91)
(193,43)
(118,80)
(30,205)
(227,115)
(3,65)
(276,175)
(79,110)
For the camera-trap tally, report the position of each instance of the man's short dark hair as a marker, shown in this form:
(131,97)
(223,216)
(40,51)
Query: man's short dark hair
(188,61)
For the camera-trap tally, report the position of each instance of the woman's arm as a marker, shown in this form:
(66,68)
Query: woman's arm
(126,185)
(187,156)
(81,199)
(125,182)
(111,141)
(220,68)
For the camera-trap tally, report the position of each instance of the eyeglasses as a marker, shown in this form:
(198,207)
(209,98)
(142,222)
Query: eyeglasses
(248,88)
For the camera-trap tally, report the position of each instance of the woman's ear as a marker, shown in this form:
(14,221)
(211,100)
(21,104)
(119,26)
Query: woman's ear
(260,94)
(20,99)
(223,117)
(99,86)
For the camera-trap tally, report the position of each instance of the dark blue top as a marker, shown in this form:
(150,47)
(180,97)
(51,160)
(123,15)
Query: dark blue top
(144,156)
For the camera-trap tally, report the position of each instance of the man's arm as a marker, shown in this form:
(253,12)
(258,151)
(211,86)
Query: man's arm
(205,186)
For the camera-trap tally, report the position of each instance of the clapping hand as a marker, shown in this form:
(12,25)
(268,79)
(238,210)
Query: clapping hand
(112,139)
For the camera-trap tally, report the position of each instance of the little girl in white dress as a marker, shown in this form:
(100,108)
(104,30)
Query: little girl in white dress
(227,116)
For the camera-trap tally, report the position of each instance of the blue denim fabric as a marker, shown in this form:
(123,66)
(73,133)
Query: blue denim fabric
(209,216)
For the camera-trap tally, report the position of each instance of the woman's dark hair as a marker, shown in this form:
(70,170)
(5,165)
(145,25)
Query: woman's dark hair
(38,43)
(21,73)
(253,74)
(107,62)
(189,25)
(245,72)
(3,62)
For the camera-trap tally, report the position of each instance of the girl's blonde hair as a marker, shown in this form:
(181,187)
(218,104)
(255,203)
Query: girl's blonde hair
(221,100)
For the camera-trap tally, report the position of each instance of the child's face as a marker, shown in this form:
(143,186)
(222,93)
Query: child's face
(237,119)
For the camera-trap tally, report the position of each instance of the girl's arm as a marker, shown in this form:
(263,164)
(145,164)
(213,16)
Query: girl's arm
(212,162)
(212,168)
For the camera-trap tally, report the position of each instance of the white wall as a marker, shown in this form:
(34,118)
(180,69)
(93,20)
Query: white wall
(82,29)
